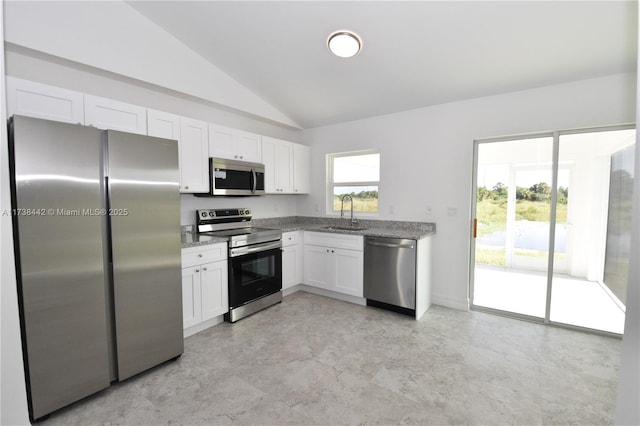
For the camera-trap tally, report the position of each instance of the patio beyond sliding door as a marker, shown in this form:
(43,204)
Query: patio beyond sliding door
(567,194)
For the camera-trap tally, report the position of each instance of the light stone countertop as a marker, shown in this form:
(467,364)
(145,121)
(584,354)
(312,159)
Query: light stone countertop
(364,227)
(193,239)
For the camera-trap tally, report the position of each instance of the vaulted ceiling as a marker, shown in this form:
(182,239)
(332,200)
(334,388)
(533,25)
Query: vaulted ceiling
(414,54)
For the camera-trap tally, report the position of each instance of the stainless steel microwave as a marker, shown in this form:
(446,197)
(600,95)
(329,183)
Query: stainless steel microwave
(235,178)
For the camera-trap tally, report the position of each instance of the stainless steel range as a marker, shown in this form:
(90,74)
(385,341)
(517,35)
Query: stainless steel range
(255,260)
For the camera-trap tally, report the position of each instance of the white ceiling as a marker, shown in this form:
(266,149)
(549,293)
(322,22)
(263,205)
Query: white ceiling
(414,54)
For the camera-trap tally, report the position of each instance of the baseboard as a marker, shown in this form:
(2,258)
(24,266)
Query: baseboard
(461,305)
(291,290)
(194,329)
(332,294)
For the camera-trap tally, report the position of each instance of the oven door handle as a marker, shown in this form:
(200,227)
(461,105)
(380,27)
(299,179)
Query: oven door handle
(239,251)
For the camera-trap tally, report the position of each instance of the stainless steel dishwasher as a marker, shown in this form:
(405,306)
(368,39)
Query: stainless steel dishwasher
(390,273)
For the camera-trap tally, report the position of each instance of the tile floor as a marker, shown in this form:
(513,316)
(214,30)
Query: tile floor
(315,360)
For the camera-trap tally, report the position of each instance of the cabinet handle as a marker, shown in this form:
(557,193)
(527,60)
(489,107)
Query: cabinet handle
(200,255)
(241,157)
(186,187)
(204,269)
(332,251)
(235,156)
(197,270)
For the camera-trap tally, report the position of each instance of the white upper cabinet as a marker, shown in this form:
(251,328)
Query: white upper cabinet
(193,169)
(301,169)
(277,156)
(38,100)
(163,124)
(109,114)
(234,144)
(194,157)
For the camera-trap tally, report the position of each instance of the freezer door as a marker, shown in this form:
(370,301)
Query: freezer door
(56,185)
(144,204)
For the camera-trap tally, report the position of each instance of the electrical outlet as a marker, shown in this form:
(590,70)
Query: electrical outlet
(428,211)
(452,211)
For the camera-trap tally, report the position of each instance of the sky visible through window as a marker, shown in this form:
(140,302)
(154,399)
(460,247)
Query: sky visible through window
(356,168)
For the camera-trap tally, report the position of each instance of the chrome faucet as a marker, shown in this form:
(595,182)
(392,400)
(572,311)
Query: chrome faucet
(353,221)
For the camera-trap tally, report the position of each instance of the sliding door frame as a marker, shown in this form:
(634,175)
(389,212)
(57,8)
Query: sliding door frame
(552,225)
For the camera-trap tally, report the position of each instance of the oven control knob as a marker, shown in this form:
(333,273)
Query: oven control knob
(211,214)
(203,214)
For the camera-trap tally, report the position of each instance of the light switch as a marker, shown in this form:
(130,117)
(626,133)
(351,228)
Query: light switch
(452,211)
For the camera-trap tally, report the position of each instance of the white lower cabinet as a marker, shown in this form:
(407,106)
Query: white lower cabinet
(292,264)
(334,262)
(204,286)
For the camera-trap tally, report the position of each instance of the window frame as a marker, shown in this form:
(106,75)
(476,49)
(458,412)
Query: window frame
(330,184)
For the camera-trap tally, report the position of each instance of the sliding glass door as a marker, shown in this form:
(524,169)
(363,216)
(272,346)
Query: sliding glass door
(591,290)
(513,182)
(552,226)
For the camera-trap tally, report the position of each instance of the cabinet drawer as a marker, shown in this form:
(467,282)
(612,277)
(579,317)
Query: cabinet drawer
(343,241)
(204,254)
(290,238)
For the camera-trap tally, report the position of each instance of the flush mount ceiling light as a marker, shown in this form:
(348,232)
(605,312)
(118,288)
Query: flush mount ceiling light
(344,44)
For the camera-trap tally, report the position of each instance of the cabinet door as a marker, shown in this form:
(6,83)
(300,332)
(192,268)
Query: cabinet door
(317,266)
(163,124)
(284,170)
(277,157)
(194,156)
(109,114)
(249,147)
(213,281)
(191,311)
(38,100)
(347,271)
(222,142)
(301,169)
(269,161)
(290,268)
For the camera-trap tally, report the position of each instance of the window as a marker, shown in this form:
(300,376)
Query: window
(356,174)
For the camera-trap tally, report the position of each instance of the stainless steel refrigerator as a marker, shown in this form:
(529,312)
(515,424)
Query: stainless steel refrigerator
(97,242)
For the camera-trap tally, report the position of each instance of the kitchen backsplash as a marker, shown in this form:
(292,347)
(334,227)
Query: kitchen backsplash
(261,207)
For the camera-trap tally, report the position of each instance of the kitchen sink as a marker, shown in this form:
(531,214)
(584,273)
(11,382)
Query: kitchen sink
(344,228)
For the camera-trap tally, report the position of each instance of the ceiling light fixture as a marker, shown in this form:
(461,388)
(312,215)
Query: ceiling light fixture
(344,44)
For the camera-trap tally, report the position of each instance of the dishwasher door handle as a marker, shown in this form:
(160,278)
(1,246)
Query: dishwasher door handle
(389,245)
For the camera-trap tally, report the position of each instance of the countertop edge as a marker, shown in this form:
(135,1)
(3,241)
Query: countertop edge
(372,231)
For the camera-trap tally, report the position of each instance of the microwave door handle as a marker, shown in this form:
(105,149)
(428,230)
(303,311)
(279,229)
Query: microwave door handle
(254,181)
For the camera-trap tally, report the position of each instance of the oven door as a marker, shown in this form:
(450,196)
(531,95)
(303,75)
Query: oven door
(254,274)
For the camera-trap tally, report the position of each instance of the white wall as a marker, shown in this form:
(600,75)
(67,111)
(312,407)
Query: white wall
(13,396)
(112,36)
(261,207)
(427,157)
